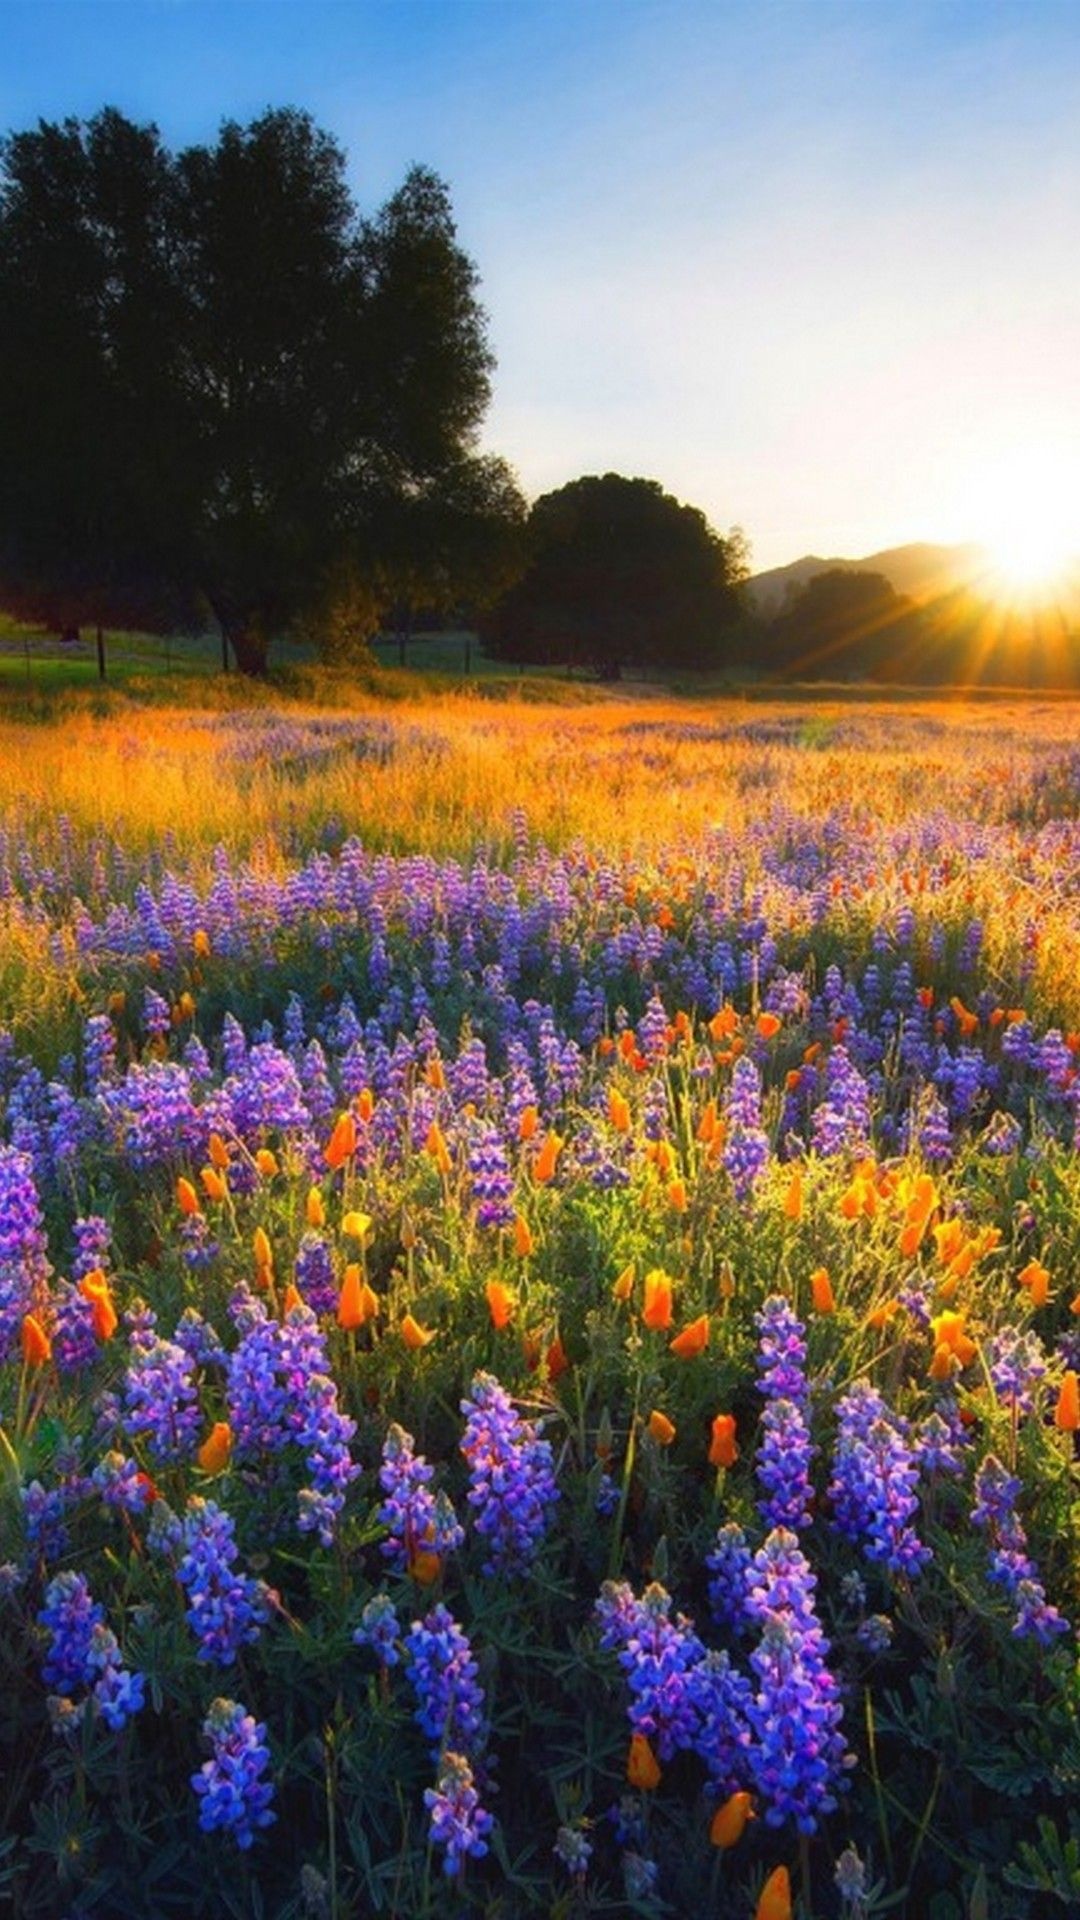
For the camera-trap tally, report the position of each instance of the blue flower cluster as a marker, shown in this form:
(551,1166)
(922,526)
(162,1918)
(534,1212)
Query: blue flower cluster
(160,1396)
(786,1450)
(415,1519)
(443,1674)
(657,1655)
(996,1492)
(512,1485)
(875,1479)
(459,1823)
(234,1795)
(83,1662)
(226,1610)
(281,1394)
(746,1144)
(797,1755)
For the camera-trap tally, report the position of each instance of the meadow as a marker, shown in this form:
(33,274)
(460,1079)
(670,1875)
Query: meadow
(539,1302)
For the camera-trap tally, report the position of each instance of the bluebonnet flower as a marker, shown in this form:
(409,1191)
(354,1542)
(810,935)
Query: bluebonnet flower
(443,1674)
(161,1401)
(378,1629)
(875,1476)
(415,1521)
(511,1477)
(798,1753)
(458,1822)
(226,1610)
(23,1267)
(93,1239)
(729,1562)
(491,1178)
(656,1655)
(781,1357)
(1017,1365)
(996,1491)
(230,1785)
(746,1144)
(314,1270)
(83,1662)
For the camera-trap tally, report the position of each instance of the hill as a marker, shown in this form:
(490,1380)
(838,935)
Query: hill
(921,570)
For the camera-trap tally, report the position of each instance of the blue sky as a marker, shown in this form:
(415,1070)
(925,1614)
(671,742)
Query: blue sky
(809,263)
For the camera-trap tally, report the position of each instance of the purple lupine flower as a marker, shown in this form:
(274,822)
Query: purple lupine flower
(226,1610)
(746,1144)
(233,1794)
(458,1821)
(93,1239)
(730,1564)
(83,1663)
(491,1178)
(781,1356)
(415,1521)
(74,1342)
(1017,1363)
(783,1466)
(443,1674)
(161,1400)
(315,1276)
(23,1267)
(941,1441)
(1010,1567)
(723,1700)
(511,1477)
(99,1052)
(280,1393)
(155,1117)
(378,1629)
(875,1476)
(122,1483)
(798,1752)
(935,1133)
(656,1655)
(199,1339)
(842,1123)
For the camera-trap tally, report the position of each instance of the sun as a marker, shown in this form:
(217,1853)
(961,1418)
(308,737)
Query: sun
(1026,511)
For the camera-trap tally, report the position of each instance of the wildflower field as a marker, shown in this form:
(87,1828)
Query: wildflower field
(539,1307)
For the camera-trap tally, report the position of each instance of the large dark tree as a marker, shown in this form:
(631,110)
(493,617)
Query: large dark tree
(215,374)
(842,622)
(619,573)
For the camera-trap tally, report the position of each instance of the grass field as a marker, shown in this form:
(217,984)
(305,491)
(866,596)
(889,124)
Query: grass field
(539,1300)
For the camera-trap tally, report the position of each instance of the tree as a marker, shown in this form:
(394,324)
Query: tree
(246,369)
(842,621)
(619,572)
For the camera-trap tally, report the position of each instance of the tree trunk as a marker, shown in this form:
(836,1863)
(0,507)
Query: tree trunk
(100,653)
(250,648)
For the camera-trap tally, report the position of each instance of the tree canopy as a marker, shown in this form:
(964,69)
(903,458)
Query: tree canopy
(219,382)
(619,573)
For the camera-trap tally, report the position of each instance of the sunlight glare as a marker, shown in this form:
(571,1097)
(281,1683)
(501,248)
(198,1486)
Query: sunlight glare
(1026,511)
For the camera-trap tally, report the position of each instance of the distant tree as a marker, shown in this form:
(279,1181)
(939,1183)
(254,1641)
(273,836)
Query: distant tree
(619,572)
(841,622)
(214,373)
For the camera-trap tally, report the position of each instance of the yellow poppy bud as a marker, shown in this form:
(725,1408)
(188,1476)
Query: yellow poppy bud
(356,1225)
(623,1287)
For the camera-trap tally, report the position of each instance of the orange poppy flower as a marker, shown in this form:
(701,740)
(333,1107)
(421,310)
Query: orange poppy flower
(545,1162)
(623,1287)
(775,1900)
(414,1335)
(528,1122)
(214,1183)
(219,1153)
(661,1428)
(501,1304)
(656,1312)
(364,1104)
(707,1125)
(213,1455)
(723,1451)
(793,1198)
(200,943)
(94,1287)
(1067,1411)
(642,1766)
(267,1163)
(1036,1279)
(692,1340)
(677,1196)
(821,1291)
(186,1197)
(435,1144)
(260,1246)
(947,1330)
(618,1111)
(342,1142)
(314,1210)
(36,1345)
(729,1821)
(524,1243)
(768,1024)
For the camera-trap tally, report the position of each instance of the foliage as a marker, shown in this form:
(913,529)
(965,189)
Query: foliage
(618,572)
(218,377)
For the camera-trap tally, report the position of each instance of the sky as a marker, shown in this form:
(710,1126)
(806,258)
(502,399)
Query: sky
(811,264)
